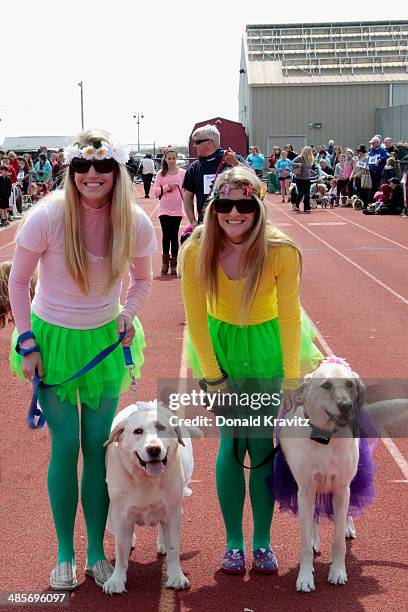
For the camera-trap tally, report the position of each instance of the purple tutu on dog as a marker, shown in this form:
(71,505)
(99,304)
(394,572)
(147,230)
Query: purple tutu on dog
(362,490)
(284,487)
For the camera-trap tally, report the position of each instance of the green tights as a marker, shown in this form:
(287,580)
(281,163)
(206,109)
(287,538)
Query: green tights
(63,424)
(231,488)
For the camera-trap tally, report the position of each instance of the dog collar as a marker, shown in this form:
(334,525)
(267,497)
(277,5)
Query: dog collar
(321,436)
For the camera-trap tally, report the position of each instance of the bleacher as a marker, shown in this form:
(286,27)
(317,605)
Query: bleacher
(328,49)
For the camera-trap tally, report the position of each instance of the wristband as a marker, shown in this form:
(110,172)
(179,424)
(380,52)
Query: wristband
(25,336)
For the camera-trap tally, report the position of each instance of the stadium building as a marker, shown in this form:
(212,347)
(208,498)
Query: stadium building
(307,84)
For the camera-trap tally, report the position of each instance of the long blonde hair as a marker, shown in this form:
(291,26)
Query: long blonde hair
(211,241)
(120,233)
(307,155)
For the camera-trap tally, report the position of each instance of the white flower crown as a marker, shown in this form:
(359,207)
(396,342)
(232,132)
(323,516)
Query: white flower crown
(99,149)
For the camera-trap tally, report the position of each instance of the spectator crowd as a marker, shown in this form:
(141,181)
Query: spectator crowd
(372,180)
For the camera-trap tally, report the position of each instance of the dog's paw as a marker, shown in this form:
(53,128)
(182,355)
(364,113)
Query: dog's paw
(305,581)
(187,492)
(350,529)
(161,549)
(115,584)
(337,574)
(178,582)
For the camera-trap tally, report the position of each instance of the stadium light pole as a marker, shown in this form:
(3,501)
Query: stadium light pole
(138,116)
(81,85)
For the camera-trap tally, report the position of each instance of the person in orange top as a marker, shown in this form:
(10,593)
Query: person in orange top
(241,288)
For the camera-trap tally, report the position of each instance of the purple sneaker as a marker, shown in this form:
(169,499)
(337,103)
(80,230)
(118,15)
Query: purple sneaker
(265,561)
(233,561)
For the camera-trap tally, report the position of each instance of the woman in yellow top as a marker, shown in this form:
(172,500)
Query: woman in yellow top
(241,285)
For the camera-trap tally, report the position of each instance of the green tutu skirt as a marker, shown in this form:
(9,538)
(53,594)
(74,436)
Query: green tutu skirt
(65,351)
(254,351)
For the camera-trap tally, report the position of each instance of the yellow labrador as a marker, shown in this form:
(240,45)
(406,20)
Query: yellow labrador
(149,464)
(328,398)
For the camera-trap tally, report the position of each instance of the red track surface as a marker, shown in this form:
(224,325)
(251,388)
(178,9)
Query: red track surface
(361,320)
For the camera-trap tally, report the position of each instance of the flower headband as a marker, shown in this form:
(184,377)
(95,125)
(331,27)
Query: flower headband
(338,360)
(99,149)
(248,190)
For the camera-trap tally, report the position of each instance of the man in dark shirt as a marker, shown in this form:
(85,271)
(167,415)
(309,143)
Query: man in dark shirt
(388,145)
(201,173)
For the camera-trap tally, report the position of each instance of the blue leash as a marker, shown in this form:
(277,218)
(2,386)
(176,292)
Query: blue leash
(35,416)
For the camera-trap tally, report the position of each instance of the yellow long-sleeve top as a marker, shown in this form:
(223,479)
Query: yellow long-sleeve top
(277,296)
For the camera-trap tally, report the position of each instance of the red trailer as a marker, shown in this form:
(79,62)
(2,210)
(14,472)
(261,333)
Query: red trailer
(233,135)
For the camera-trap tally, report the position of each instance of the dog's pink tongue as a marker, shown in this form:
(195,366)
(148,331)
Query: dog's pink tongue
(154,468)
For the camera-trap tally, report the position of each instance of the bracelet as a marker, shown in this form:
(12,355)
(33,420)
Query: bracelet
(25,336)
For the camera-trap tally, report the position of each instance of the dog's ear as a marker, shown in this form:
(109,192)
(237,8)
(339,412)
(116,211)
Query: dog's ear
(179,436)
(301,392)
(115,434)
(195,432)
(361,394)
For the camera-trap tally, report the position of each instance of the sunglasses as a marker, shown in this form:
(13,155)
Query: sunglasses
(102,166)
(244,207)
(196,142)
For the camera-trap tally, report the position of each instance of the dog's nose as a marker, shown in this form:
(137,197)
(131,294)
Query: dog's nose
(153,451)
(345,407)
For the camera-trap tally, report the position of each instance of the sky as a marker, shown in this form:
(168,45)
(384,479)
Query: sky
(175,62)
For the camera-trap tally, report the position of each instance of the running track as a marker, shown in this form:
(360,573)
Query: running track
(355,291)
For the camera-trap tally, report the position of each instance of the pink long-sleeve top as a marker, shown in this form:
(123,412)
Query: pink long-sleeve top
(58,299)
(171,202)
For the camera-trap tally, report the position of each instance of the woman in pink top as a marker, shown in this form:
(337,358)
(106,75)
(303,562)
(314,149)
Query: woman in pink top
(168,188)
(83,239)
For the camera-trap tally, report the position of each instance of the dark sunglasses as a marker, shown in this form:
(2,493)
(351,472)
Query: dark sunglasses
(244,207)
(102,166)
(201,141)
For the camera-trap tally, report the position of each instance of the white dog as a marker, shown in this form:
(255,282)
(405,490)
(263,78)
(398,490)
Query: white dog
(328,398)
(149,464)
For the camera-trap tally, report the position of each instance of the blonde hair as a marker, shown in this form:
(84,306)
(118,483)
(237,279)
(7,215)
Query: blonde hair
(120,233)
(5,309)
(211,240)
(307,155)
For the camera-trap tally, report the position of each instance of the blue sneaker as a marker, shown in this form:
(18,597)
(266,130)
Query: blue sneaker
(233,561)
(265,561)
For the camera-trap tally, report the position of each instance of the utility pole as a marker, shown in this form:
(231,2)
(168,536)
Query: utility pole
(81,85)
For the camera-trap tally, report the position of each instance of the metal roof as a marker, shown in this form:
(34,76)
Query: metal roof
(32,143)
(270,73)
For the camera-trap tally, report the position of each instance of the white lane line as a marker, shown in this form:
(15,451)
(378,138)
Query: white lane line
(153,211)
(402,246)
(388,443)
(397,455)
(353,263)
(6,245)
(328,223)
(282,224)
